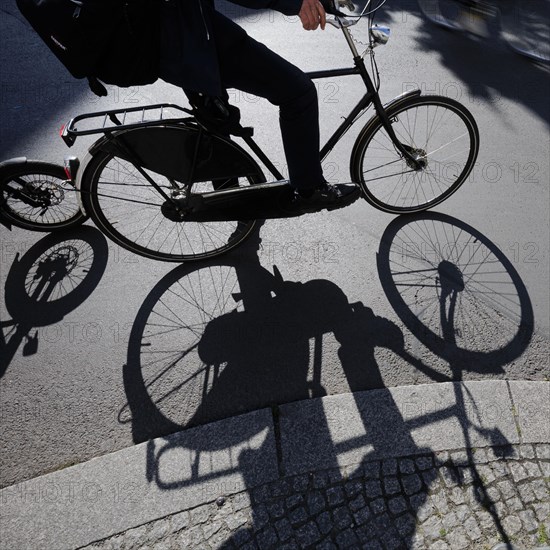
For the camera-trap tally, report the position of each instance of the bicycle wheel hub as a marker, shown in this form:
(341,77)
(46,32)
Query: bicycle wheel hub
(53,196)
(451,277)
(43,194)
(174,211)
(421,158)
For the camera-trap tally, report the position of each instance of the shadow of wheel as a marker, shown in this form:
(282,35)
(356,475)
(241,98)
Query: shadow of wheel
(55,276)
(163,349)
(455,291)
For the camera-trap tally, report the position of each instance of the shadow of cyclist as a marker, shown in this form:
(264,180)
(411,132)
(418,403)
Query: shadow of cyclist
(241,338)
(264,341)
(268,346)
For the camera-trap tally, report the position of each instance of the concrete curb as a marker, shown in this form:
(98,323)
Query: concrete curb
(110,494)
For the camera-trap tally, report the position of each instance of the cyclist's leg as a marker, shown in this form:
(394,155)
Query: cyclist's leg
(250,66)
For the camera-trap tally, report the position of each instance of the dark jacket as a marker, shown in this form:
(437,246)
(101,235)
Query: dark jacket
(188,44)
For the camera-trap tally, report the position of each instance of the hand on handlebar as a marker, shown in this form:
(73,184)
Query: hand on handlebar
(312,14)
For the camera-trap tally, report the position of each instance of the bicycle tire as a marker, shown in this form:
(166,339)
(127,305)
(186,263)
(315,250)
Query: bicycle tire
(374,157)
(128,210)
(44,183)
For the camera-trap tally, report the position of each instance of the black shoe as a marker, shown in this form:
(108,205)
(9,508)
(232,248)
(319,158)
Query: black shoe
(325,197)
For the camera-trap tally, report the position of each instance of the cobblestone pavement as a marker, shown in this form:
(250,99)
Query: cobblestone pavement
(458,500)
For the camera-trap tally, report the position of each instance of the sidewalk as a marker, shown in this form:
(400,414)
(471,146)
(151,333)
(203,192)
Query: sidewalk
(452,465)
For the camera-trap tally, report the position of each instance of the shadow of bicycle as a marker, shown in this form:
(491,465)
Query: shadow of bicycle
(456,292)
(49,281)
(229,336)
(225,337)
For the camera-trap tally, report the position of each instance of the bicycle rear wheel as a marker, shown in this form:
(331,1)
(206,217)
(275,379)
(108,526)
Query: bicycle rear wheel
(440,132)
(36,195)
(129,210)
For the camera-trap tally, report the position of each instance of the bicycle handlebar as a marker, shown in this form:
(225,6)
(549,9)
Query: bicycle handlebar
(330,7)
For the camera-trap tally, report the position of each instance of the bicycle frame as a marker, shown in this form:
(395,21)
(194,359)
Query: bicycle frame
(371,97)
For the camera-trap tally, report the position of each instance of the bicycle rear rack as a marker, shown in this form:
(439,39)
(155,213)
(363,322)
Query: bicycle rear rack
(104,122)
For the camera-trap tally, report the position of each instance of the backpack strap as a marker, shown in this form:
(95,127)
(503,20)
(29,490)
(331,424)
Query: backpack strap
(96,86)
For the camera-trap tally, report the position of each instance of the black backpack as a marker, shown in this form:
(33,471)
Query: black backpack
(115,41)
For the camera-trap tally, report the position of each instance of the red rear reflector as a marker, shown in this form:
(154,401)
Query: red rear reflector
(62,130)
(71,165)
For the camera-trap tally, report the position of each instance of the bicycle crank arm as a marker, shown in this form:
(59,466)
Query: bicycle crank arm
(261,201)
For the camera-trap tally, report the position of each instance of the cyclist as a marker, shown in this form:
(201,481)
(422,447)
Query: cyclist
(205,53)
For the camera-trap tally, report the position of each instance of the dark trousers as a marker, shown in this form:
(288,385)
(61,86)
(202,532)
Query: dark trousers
(251,67)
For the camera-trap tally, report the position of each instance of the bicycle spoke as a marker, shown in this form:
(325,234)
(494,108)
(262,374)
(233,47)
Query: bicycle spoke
(37,195)
(133,212)
(431,129)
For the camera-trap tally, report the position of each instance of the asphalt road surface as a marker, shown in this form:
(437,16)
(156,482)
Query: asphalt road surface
(122,348)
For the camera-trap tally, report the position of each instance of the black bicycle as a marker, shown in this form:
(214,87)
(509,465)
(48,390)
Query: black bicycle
(162,185)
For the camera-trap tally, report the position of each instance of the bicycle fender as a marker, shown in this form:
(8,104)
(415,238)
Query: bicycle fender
(13,161)
(396,101)
(4,222)
(4,165)
(402,97)
(172,150)
(79,175)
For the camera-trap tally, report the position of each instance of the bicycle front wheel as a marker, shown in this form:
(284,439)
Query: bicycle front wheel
(36,195)
(439,132)
(129,210)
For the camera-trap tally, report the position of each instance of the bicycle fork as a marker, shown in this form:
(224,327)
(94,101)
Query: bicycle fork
(411,156)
